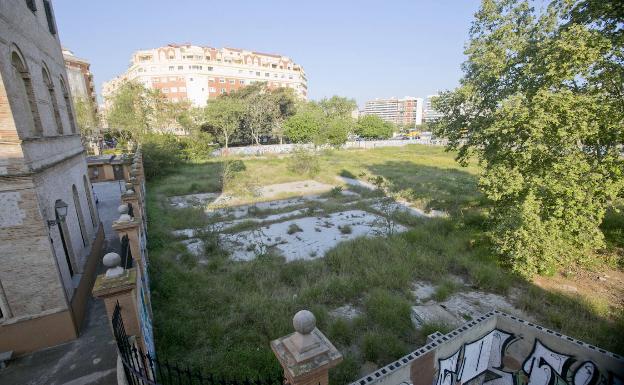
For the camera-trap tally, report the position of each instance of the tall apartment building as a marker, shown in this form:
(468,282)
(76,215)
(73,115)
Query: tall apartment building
(80,78)
(430,114)
(50,233)
(200,73)
(405,112)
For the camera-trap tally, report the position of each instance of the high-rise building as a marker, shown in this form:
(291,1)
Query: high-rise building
(430,114)
(405,112)
(50,233)
(194,73)
(80,78)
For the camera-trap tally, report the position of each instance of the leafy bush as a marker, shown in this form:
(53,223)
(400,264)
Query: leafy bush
(162,153)
(346,229)
(198,146)
(304,163)
(294,228)
(372,126)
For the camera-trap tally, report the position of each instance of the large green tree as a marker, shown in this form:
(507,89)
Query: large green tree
(372,126)
(541,107)
(338,106)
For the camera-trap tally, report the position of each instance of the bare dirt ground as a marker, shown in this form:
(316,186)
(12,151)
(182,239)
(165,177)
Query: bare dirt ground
(602,285)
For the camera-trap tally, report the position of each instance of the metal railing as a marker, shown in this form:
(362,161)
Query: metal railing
(142,369)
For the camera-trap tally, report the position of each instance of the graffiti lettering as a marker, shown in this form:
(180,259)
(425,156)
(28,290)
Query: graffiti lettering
(482,362)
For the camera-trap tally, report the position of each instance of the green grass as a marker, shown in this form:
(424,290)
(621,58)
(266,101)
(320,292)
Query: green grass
(221,316)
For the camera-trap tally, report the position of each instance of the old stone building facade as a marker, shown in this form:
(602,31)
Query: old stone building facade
(50,233)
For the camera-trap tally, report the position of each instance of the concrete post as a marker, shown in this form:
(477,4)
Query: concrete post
(120,285)
(306,355)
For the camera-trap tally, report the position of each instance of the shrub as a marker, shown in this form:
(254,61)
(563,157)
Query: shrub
(304,162)
(198,146)
(336,192)
(346,229)
(162,153)
(294,228)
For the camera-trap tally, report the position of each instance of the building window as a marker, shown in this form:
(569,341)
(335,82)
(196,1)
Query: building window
(180,67)
(211,80)
(165,90)
(209,68)
(49,16)
(221,80)
(257,73)
(68,106)
(222,90)
(171,68)
(267,74)
(231,81)
(92,211)
(241,81)
(31,5)
(79,215)
(21,72)
(174,89)
(212,89)
(53,101)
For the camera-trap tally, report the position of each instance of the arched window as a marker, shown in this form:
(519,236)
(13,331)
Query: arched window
(28,93)
(68,106)
(79,215)
(53,101)
(92,210)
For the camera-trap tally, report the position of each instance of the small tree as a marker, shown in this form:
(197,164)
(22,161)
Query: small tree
(337,106)
(372,126)
(224,115)
(304,126)
(86,117)
(130,111)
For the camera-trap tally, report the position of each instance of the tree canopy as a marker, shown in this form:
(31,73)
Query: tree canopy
(541,107)
(372,126)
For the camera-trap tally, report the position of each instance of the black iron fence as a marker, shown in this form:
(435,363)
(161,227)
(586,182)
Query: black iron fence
(142,369)
(126,253)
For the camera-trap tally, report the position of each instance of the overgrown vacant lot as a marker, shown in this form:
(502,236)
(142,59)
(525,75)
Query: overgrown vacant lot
(220,314)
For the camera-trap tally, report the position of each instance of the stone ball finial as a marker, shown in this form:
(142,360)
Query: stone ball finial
(112,261)
(304,322)
(125,218)
(123,209)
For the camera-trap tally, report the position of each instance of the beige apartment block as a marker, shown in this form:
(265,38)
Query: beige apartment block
(407,111)
(50,233)
(194,73)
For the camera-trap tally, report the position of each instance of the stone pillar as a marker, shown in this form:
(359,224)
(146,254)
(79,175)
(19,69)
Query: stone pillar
(131,199)
(120,285)
(306,355)
(126,225)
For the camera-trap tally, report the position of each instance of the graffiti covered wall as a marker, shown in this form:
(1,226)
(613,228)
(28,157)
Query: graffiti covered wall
(500,349)
(501,358)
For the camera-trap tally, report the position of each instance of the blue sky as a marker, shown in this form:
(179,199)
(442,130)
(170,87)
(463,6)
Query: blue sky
(359,49)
